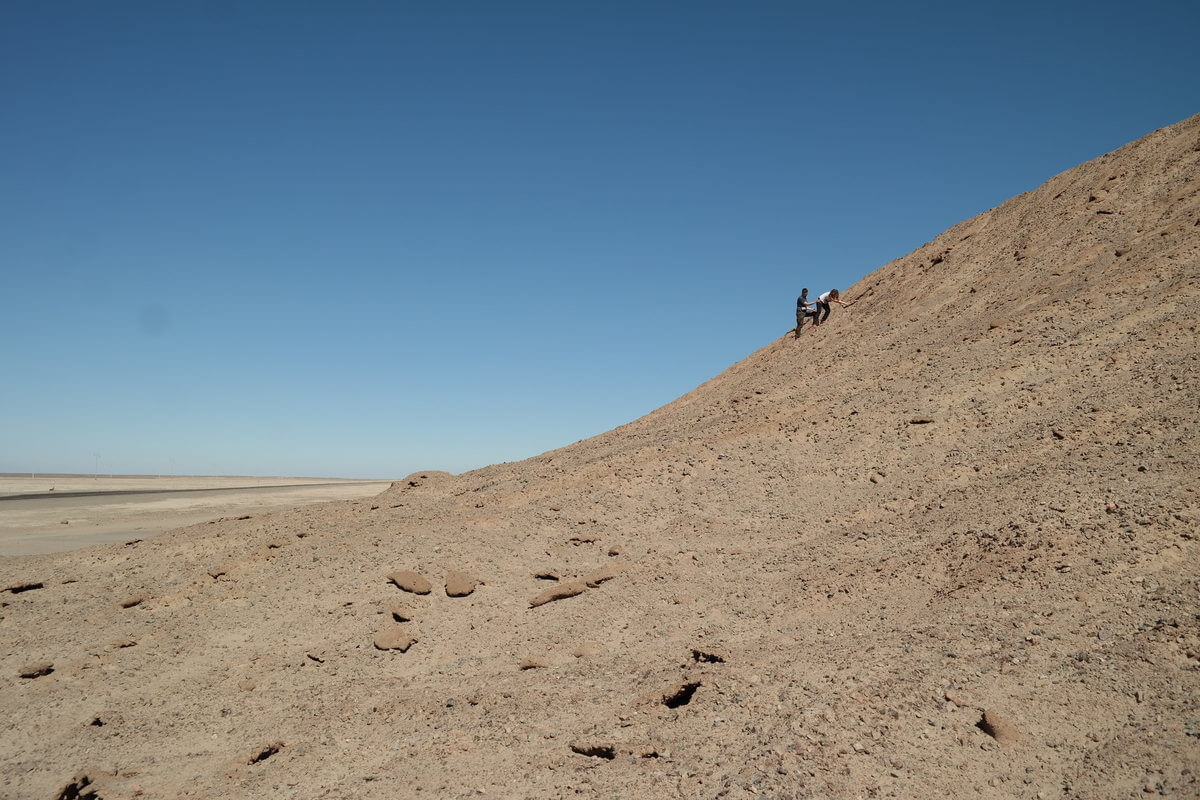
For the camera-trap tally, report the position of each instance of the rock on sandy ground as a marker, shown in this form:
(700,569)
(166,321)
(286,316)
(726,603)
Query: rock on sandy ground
(972,492)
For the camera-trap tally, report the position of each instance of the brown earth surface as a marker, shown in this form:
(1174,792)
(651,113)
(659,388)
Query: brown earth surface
(945,546)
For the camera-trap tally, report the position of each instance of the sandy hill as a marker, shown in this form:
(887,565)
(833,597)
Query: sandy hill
(942,546)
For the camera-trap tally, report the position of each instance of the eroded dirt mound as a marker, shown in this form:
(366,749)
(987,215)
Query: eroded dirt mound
(942,546)
(418,483)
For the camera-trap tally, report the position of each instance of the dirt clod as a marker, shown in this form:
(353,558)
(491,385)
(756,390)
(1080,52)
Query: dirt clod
(999,728)
(460,584)
(395,637)
(411,581)
(263,752)
(36,670)
(562,591)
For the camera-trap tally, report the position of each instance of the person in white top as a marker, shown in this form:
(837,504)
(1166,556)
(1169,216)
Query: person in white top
(823,305)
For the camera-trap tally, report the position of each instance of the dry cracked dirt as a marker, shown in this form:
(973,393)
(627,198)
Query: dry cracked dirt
(944,545)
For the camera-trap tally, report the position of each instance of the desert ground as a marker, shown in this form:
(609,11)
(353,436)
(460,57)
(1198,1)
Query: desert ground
(943,546)
(52,513)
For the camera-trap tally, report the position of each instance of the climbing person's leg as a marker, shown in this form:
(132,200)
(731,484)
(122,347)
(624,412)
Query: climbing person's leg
(823,310)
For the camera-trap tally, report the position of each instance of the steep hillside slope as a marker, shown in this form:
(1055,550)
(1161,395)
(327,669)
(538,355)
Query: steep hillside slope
(973,491)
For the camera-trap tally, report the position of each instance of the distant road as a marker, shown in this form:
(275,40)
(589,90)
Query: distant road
(84,511)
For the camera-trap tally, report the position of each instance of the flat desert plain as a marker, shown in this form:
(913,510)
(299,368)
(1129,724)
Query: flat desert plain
(54,513)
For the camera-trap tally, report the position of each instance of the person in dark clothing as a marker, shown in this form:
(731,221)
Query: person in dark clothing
(804,309)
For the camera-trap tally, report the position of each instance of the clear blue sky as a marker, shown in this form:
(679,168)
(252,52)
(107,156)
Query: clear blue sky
(364,238)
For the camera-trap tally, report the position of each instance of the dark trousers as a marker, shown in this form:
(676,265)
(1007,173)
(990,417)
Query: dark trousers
(822,312)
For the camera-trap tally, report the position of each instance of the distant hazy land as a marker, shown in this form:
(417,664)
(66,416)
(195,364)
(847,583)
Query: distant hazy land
(47,513)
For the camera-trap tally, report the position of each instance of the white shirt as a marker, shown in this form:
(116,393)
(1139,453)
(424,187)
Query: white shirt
(825,297)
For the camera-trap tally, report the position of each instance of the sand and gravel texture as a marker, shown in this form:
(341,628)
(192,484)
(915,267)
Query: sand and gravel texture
(943,546)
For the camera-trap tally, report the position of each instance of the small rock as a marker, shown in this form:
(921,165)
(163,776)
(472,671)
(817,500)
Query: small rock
(999,728)
(394,637)
(130,602)
(246,685)
(1082,597)
(1111,507)
(24,586)
(532,662)
(263,752)
(216,572)
(560,592)
(616,550)
(594,579)
(121,643)
(460,584)
(36,670)
(411,581)
(709,656)
(956,698)
(920,420)
(81,786)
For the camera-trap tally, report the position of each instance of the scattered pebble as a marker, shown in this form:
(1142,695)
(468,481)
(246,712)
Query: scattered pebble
(394,637)
(401,612)
(594,579)
(560,592)
(411,581)
(460,584)
(999,728)
(36,670)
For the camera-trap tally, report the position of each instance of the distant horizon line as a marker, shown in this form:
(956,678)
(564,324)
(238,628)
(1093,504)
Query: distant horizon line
(33,474)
